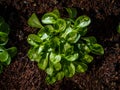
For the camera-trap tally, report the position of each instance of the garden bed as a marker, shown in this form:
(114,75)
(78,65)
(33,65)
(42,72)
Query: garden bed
(103,73)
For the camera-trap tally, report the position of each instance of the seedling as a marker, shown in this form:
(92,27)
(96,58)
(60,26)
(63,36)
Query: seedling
(60,47)
(5,54)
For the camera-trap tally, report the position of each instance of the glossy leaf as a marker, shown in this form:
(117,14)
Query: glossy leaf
(72,57)
(33,21)
(71,69)
(57,66)
(3,55)
(49,70)
(49,18)
(3,38)
(60,75)
(60,25)
(81,67)
(54,58)
(73,37)
(34,40)
(50,80)
(82,21)
(35,54)
(87,58)
(43,63)
(97,49)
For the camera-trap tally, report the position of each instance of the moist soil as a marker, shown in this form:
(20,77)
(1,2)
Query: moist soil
(103,73)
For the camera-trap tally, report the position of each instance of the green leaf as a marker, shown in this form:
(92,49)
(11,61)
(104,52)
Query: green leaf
(73,37)
(82,31)
(68,49)
(12,51)
(56,12)
(43,63)
(81,67)
(82,21)
(57,66)
(90,40)
(3,55)
(8,61)
(60,25)
(67,31)
(3,38)
(72,57)
(60,75)
(48,29)
(50,80)
(87,58)
(33,21)
(71,69)
(49,70)
(35,54)
(72,12)
(97,49)
(54,58)
(34,40)
(49,18)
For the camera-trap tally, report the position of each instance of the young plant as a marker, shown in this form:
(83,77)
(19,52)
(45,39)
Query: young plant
(5,54)
(60,47)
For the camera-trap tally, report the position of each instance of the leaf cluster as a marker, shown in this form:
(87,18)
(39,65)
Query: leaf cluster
(5,54)
(60,46)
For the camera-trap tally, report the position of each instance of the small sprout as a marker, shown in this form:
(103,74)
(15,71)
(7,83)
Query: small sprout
(60,47)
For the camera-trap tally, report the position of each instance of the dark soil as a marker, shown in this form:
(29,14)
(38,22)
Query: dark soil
(103,72)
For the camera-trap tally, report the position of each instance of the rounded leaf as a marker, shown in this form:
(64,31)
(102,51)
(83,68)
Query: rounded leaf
(49,18)
(71,69)
(73,37)
(72,57)
(49,70)
(50,80)
(97,49)
(3,55)
(57,66)
(81,67)
(42,64)
(82,21)
(3,38)
(60,25)
(34,40)
(60,75)
(87,58)
(54,58)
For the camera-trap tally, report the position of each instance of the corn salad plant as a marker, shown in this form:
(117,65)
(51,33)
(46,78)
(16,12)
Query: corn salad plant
(60,47)
(5,54)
